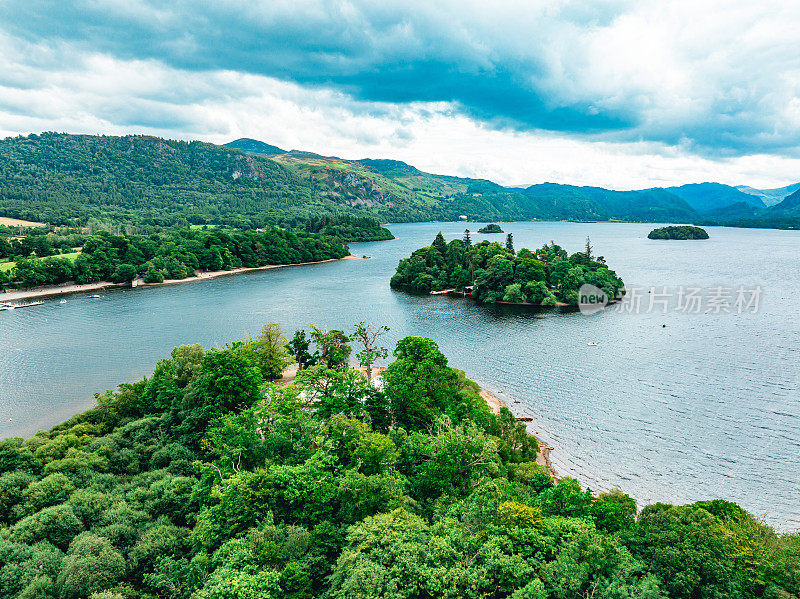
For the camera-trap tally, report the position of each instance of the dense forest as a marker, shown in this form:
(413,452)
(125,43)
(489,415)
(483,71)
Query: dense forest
(172,254)
(208,481)
(678,232)
(490,228)
(496,273)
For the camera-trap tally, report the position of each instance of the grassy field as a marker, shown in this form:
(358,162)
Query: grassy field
(15,222)
(6,265)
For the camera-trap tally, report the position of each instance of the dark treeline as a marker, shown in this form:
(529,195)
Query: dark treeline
(497,273)
(207,481)
(172,254)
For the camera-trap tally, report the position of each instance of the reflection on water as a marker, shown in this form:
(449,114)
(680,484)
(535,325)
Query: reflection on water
(708,406)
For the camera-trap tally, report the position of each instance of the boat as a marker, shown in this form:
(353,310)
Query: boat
(592,343)
(94,297)
(63,301)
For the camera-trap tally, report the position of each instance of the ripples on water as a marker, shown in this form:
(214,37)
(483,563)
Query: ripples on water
(708,406)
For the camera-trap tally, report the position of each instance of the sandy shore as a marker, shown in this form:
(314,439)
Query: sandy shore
(494,402)
(68,288)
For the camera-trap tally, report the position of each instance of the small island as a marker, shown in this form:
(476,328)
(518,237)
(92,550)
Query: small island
(491,272)
(678,232)
(490,228)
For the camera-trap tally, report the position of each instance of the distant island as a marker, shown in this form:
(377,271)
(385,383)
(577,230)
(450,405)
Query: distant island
(490,228)
(679,232)
(491,272)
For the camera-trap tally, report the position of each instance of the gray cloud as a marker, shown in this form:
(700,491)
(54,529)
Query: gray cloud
(710,81)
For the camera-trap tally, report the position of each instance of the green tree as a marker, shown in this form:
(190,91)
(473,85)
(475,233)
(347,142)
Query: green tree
(91,564)
(270,352)
(368,337)
(333,346)
(300,348)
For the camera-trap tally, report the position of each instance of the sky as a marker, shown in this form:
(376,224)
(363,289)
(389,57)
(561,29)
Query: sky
(623,94)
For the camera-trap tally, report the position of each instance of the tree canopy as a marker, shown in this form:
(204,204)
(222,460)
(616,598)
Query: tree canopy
(494,272)
(208,481)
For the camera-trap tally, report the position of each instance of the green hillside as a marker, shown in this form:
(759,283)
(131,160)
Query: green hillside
(60,179)
(147,181)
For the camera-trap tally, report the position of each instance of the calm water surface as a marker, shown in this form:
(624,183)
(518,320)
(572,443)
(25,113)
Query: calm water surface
(706,407)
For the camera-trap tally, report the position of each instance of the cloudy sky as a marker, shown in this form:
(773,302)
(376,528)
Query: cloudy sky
(619,93)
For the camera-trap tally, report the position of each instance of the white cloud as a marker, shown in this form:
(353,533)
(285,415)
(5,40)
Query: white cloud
(685,73)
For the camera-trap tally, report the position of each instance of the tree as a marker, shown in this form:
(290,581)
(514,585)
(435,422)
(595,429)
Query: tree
(299,346)
(588,251)
(510,242)
(419,385)
(467,239)
(92,564)
(439,243)
(513,293)
(333,346)
(124,273)
(270,352)
(368,337)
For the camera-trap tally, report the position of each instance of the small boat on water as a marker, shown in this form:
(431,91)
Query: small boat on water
(592,344)
(94,297)
(63,301)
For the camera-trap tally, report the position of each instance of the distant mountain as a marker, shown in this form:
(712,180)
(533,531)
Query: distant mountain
(708,197)
(597,203)
(253,146)
(770,196)
(790,206)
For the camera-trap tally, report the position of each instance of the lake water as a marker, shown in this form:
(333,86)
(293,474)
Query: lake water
(706,407)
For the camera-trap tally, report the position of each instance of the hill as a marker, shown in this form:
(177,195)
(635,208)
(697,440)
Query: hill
(253,146)
(596,203)
(733,212)
(145,181)
(707,197)
(770,196)
(790,206)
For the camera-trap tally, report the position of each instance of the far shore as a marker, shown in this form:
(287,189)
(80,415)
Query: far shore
(69,288)
(494,403)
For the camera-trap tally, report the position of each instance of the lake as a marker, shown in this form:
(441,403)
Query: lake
(707,406)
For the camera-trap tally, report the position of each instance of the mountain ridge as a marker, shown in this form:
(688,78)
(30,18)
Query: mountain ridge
(149,181)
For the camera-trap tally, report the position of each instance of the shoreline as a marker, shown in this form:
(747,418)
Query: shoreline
(543,457)
(70,288)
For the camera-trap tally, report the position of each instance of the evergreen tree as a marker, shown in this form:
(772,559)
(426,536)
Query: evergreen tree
(439,243)
(510,242)
(467,239)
